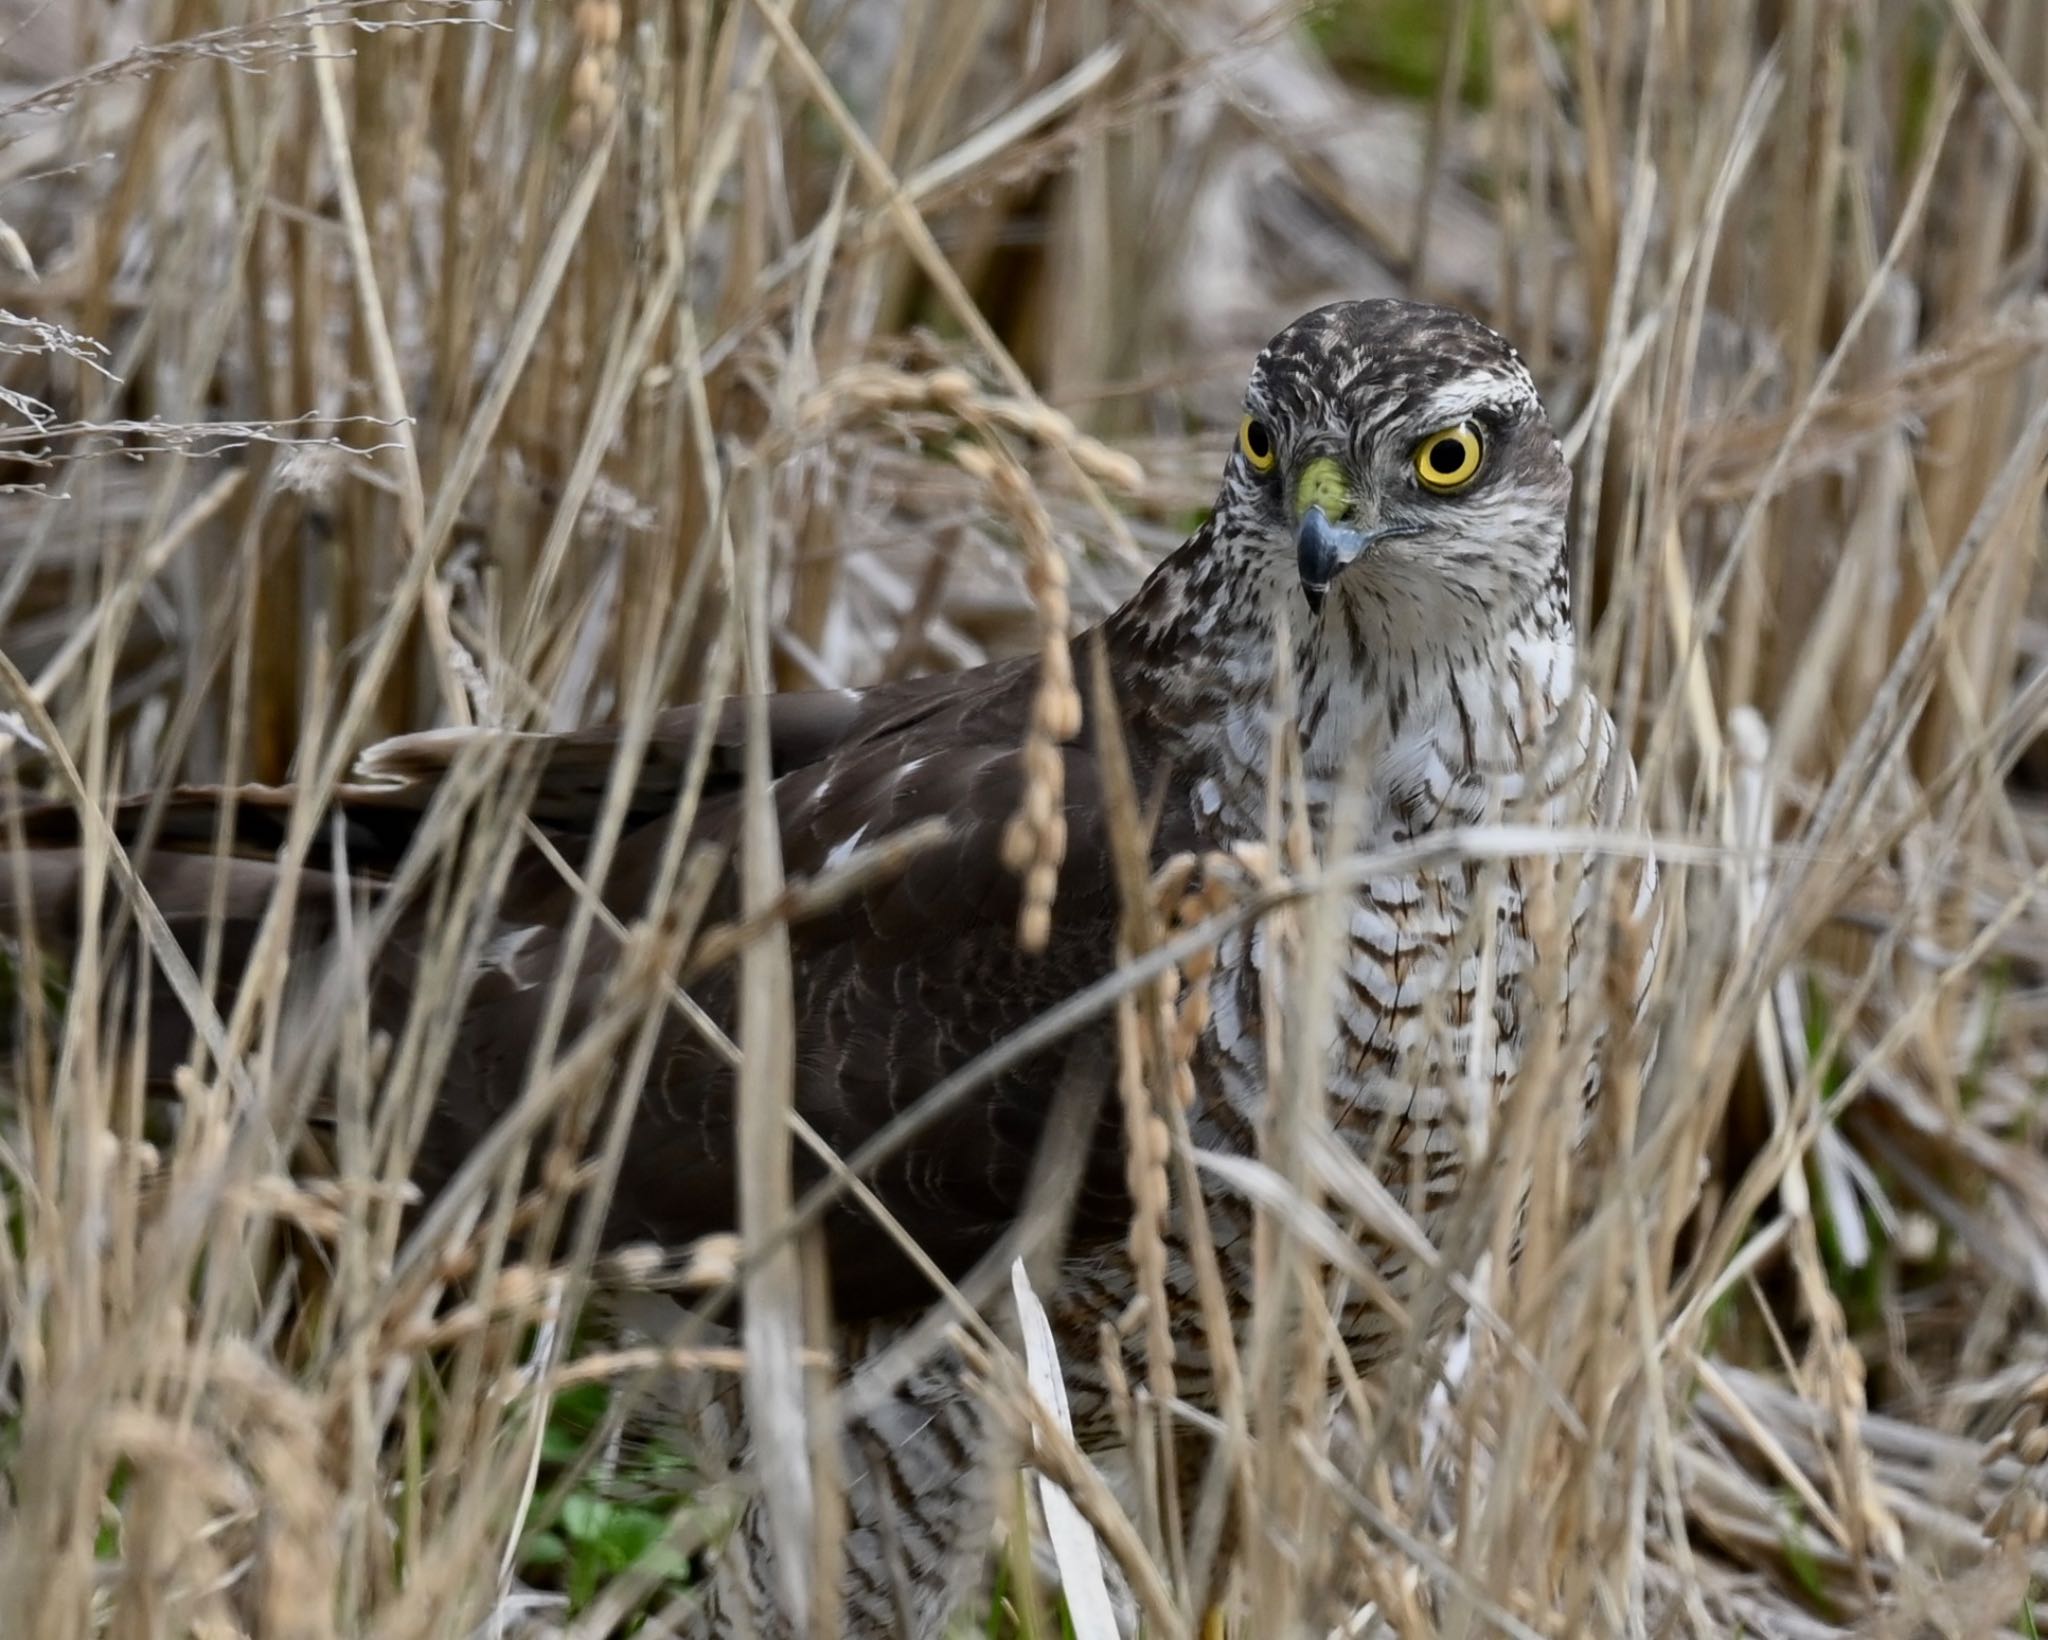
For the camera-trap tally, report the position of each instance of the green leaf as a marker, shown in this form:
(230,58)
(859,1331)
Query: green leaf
(559,1444)
(585,1574)
(1400,45)
(584,1517)
(1799,1555)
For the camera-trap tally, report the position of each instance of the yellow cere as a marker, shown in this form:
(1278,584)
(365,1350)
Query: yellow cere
(1449,460)
(1322,484)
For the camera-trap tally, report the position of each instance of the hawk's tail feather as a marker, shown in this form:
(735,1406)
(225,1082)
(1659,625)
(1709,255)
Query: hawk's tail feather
(212,888)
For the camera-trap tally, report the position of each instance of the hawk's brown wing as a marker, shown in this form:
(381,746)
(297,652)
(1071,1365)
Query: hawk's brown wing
(895,987)
(804,729)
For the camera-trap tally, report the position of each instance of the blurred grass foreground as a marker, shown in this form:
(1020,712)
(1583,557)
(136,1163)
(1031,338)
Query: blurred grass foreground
(371,366)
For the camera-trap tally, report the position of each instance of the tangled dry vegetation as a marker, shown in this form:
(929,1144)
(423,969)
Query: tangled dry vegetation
(367,365)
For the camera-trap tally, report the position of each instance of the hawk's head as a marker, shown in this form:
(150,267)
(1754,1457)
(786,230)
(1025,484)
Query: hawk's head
(1399,454)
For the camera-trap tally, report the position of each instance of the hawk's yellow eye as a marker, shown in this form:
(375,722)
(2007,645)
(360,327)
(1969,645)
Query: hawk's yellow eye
(1449,460)
(1255,439)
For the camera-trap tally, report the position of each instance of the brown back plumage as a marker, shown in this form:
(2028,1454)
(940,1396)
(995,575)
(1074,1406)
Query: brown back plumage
(896,985)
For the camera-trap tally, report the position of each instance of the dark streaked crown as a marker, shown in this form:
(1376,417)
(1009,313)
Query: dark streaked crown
(1386,356)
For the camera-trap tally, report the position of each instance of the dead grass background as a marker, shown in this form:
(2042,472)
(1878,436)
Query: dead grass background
(364,366)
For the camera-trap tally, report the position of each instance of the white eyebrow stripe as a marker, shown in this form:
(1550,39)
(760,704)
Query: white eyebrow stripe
(1456,400)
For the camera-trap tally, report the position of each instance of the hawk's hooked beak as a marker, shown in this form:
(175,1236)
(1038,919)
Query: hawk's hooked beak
(1326,540)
